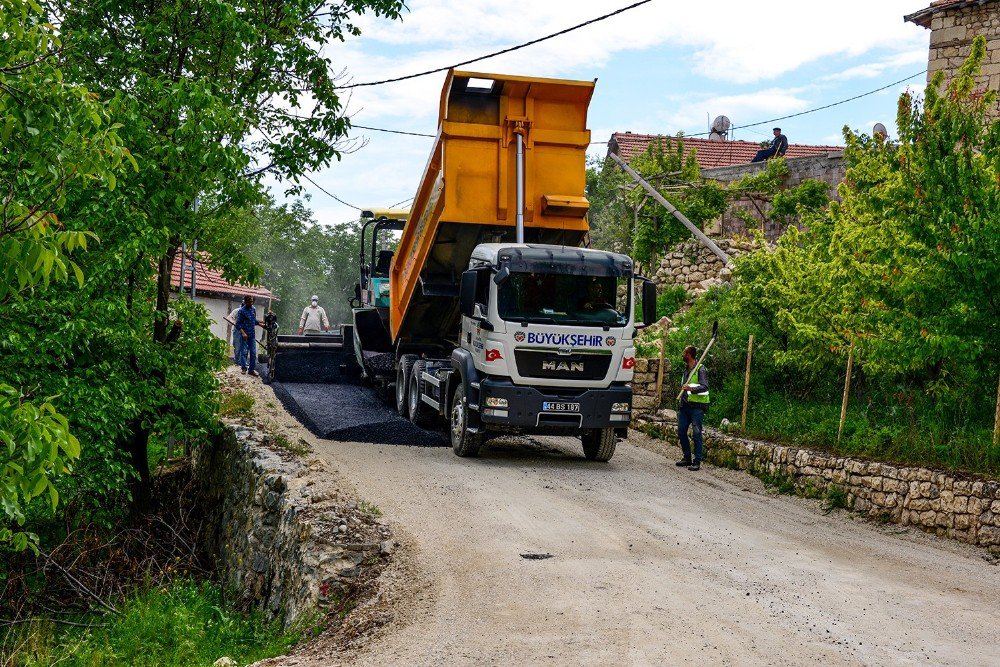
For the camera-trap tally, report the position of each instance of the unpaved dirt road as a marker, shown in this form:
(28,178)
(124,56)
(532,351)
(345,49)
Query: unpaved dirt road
(655,565)
(651,565)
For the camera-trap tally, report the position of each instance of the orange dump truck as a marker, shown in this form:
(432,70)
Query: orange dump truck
(497,320)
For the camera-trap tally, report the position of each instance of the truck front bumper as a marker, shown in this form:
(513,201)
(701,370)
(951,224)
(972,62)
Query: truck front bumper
(525,408)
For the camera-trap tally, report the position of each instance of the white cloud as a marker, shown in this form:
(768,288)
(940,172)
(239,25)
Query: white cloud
(728,43)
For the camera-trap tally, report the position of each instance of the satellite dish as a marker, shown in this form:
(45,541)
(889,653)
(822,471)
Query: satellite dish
(880,129)
(720,129)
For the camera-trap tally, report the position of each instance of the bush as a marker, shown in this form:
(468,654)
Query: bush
(670,301)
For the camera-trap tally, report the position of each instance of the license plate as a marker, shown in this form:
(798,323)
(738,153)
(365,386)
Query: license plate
(560,407)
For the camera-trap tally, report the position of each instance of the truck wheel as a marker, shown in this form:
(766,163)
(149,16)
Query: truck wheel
(402,382)
(599,444)
(462,441)
(420,412)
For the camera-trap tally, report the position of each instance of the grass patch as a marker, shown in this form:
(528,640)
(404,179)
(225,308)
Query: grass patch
(779,480)
(670,301)
(299,448)
(183,624)
(835,498)
(236,404)
(369,509)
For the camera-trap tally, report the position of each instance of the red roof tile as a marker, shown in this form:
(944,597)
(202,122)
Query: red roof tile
(709,153)
(210,281)
(924,16)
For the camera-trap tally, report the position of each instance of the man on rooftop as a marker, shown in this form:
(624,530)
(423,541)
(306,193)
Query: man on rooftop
(777,148)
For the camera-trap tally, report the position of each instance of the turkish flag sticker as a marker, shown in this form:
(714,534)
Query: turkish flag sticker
(493,355)
(628,362)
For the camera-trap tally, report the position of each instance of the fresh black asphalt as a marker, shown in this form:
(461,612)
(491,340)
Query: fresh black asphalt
(351,413)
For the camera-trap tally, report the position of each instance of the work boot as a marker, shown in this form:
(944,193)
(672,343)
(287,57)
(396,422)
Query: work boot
(252,373)
(683,462)
(243,371)
(696,465)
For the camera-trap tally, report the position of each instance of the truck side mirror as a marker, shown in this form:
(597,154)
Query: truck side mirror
(648,302)
(467,293)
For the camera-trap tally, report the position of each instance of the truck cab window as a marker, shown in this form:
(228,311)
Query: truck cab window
(564,299)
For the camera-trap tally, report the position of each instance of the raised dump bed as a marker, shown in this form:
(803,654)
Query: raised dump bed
(468,194)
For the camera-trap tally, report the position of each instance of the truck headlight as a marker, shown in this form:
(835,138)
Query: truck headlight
(619,407)
(496,402)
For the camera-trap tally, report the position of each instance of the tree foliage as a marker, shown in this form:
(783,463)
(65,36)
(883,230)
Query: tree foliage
(54,134)
(300,258)
(209,96)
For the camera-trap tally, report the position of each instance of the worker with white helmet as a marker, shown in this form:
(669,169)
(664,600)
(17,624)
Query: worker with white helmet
(314,318)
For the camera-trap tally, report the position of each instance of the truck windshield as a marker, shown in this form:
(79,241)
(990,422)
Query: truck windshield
(564,299)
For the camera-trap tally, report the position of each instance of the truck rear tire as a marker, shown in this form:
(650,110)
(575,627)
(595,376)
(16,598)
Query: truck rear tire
(403,383)
(420,412)
(599,444)
(463,442)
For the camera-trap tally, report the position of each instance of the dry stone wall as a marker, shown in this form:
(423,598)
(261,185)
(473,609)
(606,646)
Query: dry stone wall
(953,505)
(282,539)
(696,268)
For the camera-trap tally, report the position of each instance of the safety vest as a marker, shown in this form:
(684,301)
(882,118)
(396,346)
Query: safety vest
(692,397)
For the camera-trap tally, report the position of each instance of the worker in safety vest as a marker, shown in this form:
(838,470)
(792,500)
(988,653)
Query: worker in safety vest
(691,412)
(313,318)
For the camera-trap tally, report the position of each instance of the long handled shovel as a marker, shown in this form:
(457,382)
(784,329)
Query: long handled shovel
(715,332)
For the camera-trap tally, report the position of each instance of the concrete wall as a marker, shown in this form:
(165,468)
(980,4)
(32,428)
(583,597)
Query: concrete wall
(218,308)
(828,168)
(952,32)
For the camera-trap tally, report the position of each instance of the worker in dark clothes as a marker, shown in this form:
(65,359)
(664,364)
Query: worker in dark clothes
(777,148)
(246,321)
(691,412)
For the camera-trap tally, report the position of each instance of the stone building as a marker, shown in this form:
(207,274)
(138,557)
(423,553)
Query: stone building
(953,25)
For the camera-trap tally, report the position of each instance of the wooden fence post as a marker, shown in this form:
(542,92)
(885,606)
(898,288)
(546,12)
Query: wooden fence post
(659,371)
(996,419)
(847,389)
(746,385)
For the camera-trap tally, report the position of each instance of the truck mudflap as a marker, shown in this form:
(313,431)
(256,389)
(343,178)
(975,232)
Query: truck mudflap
(502,403)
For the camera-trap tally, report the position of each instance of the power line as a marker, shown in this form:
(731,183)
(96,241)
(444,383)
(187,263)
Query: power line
(330,194)
(382,129)
(699,134)
(802,113)
(500,52)
(826,106)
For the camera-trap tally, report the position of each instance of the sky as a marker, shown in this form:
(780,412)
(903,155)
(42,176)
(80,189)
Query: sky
(665,67)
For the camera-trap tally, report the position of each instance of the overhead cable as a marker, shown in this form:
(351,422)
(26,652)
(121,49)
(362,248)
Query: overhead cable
(496,53)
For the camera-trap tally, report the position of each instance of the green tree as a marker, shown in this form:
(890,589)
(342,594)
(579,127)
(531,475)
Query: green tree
(905,266)
(53,134)
(300,258)
(211,96)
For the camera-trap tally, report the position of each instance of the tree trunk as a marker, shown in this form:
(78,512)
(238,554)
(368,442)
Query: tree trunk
(141,486)
(166,265)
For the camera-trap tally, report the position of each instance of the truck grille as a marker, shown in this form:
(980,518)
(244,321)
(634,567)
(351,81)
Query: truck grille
(550,364)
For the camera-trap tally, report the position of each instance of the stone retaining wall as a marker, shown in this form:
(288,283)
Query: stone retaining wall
(696,268)
(954,505)
(281,539)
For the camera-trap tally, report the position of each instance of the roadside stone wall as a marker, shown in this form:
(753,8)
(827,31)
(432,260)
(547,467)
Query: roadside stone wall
(282,540)
(696,268)
(953,505)
(829,168)
(644,384)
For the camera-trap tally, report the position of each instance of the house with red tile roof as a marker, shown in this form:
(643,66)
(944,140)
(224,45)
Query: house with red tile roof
(217,294)
(707,152)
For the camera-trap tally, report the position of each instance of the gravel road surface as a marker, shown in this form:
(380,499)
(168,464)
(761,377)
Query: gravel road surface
(650,564)
(656,565)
